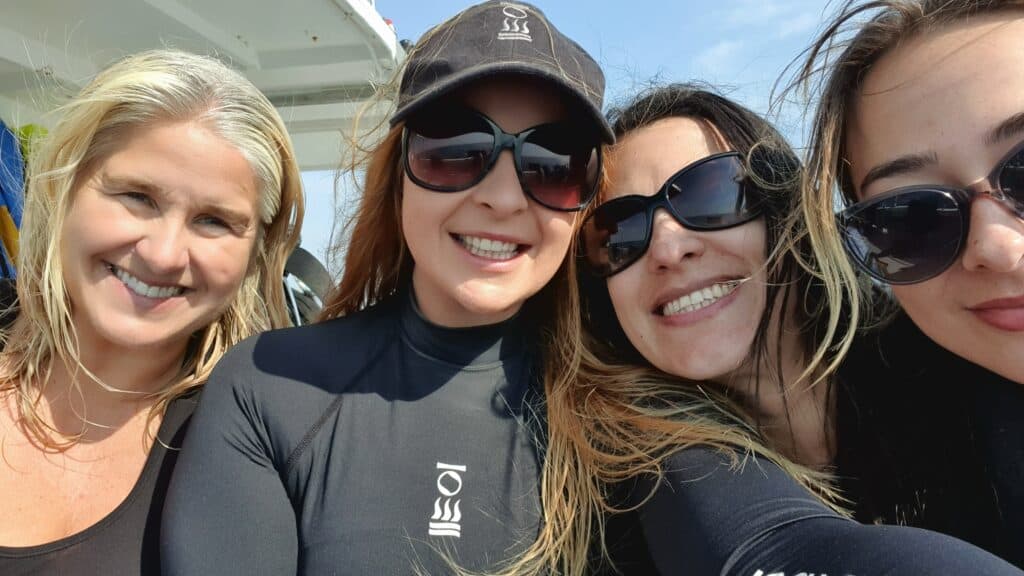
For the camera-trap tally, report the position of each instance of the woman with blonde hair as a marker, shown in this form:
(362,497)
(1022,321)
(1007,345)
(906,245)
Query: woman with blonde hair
(705,410)
(920,126)
(405,432)
(160,211)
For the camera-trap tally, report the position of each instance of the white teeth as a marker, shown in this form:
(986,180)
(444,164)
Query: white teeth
(143,289)
(700,298)
(487,248)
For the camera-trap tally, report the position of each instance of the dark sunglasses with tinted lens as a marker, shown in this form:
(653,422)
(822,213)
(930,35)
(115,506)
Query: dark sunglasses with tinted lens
(712,193)
(914,233)
(453,150)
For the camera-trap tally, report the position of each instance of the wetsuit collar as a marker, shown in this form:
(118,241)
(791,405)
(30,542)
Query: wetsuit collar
(476,345)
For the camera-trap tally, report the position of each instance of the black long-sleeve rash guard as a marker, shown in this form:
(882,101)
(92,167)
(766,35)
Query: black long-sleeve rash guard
(708,518)
(372,444)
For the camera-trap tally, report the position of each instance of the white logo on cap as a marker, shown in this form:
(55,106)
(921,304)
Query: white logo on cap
(514,26)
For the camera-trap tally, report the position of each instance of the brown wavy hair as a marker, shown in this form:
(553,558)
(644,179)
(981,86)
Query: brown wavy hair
(377,264)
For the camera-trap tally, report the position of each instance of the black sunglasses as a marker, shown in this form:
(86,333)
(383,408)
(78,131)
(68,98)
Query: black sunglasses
(712,193)
(914,233)
(452,150)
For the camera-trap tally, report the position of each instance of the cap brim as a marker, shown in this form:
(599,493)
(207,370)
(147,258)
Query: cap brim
(456,81)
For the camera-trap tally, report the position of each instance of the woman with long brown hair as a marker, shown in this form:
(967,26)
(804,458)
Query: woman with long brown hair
(920,126)
(405,431)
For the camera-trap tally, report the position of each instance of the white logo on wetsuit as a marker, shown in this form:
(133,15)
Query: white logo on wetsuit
(515,25)
(447,514)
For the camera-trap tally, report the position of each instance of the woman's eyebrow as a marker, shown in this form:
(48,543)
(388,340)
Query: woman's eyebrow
(901,165)
(1012,126)
(109,181)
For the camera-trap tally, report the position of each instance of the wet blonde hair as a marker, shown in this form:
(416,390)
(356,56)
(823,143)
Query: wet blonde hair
(830,73)
(139,91)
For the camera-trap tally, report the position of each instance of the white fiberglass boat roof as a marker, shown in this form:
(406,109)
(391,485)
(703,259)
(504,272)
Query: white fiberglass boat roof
(317,60)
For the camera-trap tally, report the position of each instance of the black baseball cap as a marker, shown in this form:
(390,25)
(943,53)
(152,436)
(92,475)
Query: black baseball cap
(498,38)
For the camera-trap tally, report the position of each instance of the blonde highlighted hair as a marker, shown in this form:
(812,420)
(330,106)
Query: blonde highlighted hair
(616,417)
(140,91)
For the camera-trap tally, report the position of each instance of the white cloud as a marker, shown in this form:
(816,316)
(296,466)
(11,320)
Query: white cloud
(798,25)
(717,56)
(785,17)
(753,12)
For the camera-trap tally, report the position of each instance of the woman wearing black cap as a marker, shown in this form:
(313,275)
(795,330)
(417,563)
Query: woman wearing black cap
(402,433)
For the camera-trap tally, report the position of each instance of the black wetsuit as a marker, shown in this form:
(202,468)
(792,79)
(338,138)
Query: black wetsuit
(928,439)
(126,541)
(372,444)
(341,448)
(707,518)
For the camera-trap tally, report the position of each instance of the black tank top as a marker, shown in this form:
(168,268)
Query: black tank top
(126,542)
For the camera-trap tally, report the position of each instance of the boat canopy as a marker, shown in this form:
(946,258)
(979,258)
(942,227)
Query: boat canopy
(317,60)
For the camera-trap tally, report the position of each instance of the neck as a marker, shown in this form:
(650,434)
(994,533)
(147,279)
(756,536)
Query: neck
(792,414)
(109,390)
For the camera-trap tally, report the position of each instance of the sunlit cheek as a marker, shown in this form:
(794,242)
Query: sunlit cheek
(229,262)
(558,236)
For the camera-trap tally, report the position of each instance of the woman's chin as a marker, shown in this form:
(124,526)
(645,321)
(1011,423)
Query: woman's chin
(489,304)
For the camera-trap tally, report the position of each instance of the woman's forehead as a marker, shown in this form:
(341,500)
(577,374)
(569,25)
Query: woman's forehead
(644,158)
(929,96)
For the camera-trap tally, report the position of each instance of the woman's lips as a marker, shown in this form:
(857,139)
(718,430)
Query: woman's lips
(1003,313)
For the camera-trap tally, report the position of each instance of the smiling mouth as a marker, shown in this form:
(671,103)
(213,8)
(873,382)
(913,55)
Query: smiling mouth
(700,298)
(141,288)
(490,249)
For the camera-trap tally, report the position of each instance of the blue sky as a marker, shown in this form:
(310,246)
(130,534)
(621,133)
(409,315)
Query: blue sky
(739,46)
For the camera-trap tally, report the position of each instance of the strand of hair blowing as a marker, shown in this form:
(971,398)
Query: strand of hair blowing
(376,260)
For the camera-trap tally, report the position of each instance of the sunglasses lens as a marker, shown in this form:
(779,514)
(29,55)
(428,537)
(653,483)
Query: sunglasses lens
(908,237)
(712,195)
(1011,180)
(615,235)
(558,168)
(447,153)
